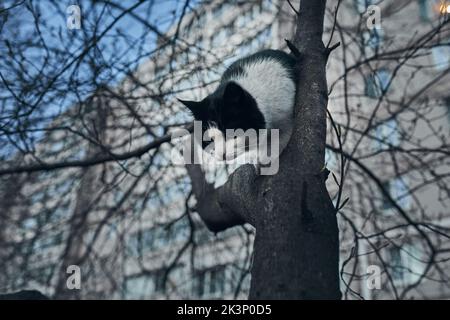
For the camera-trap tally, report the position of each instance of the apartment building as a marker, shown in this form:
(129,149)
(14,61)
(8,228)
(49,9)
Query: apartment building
(405,99)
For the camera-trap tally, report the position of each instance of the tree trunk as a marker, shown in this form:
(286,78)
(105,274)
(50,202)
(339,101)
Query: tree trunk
(297,243)
(296,253)
(296,250)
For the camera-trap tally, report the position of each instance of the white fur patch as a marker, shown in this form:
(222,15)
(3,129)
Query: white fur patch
(274,91)
(271,86)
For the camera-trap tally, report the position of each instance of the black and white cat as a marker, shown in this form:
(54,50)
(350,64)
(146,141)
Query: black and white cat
(255,92)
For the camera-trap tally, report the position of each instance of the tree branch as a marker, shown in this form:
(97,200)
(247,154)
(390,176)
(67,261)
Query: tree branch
(224,207)
(90,161)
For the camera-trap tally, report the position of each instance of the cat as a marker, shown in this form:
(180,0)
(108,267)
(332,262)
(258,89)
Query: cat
(255,92)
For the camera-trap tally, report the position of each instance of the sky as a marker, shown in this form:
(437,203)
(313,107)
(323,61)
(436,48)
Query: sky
(127,43)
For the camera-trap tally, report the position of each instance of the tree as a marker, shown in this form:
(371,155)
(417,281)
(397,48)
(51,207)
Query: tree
(292,213)
(86,176)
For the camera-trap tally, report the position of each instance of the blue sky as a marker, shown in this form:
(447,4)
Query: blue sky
(126,45)
(57,36)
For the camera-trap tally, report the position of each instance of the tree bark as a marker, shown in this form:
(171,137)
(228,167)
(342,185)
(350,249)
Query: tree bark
(296,250)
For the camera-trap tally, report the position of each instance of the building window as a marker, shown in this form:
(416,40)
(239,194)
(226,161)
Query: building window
(145,285)
(147,239)
(447,105)
(42,275)
(56,147)
(133,245)
(424,9)
(386,203)
(220,38)
(218,11)
(63,187)
(441,57)
(162,71)
(405,264)
(245,49)
(199,42)
(398,190)
(37,197)
(183,85)
(217,281)
(30,223)
(263,38)
(331,160)
(229,60)
(202,234)
(138,287)
(60,213)
(141,242)
(267,5)
(210,283)
(395,263)
(373,38)
(387,134)
(48,242)
(179,231)
(158,281)
(244,19)
(158,237)
(201,20)
(362,5)
(377,83)
(199,284)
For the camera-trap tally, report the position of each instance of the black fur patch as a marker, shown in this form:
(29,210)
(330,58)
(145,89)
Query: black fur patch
(230,106)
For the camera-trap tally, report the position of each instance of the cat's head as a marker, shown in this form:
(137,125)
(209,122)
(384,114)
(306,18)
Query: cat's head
(229,107)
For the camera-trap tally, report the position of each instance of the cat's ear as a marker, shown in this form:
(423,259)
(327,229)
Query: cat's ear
(197,108)
(234,94)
